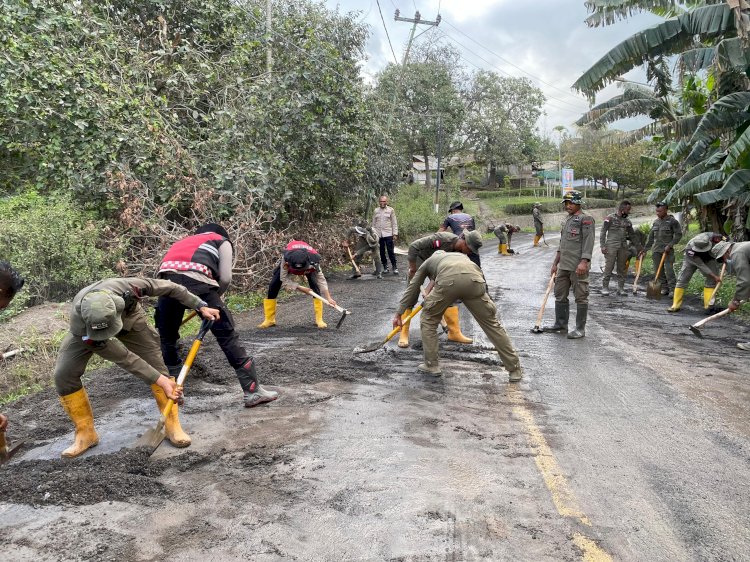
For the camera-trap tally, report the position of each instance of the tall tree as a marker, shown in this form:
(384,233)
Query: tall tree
(501,114)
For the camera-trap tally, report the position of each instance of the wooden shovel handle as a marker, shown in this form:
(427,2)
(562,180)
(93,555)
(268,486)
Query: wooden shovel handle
(661,263)
(712,300)
(710,318)
(337,307)
(638,264)
(550,284)
(354,263)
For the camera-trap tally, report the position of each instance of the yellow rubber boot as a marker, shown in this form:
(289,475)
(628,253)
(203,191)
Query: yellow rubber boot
(78,408)
(504,249)
(403,339)
(499,248)
(269,310)
(318,306)
(708,292)
(677,300)
(536,241)
(173,430)
(454,327)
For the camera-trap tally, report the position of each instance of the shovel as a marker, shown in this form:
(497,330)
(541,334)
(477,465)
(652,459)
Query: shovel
(378,344)
(7,452)
(637,275)
(153,437)
(354,263)
(537,329)
(712,302)
(695,328)
(344,312)
(653,288)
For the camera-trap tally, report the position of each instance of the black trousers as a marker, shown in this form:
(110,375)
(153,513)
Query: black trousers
(169,313)
(275,286)
(386,242)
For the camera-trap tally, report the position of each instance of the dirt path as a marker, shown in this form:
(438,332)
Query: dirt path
(632,444)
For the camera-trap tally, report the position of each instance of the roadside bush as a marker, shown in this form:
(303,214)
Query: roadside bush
(55,246)
(415,212)
(526,208)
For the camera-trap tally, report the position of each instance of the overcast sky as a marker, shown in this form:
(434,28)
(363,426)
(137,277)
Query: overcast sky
(546,41)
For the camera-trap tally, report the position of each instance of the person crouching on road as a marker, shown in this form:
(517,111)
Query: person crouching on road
(299,259)
(202,263)
(571,267)
(366,240)
(697,257)
(501,232)
(737,257)
(107,320)
(419,251)
(454,276)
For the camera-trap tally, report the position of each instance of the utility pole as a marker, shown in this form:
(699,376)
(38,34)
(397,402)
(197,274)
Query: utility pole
(417,20)
(439,150)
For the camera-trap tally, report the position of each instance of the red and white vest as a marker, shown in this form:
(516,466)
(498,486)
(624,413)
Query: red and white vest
(199,252)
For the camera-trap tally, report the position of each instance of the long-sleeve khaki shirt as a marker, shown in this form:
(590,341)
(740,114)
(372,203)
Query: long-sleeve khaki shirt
(576,241)
(384,222)
(114,350)
(289,280)
(438,266)
(423,248)
(741,266)
(664,232)
(615,232)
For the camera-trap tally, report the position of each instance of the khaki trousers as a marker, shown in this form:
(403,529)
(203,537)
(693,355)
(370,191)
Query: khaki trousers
(474,296)
(137,351)
(619,257)
(565,280)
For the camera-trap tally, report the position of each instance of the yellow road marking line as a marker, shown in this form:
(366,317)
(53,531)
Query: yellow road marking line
(562,496)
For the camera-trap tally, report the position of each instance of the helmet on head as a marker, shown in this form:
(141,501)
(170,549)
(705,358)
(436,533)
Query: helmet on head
(456,205)
(574,197)
(720,249)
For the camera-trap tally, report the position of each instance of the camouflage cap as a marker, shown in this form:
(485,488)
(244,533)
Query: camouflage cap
(537,204)
(101,312)
(720,249)
(661,204)
(473,240)
(574,197)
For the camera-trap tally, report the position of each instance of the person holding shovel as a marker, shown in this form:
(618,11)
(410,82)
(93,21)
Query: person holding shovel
(615,233)
(571,266)
(698,258)
(366,240)
(107,319)
(419,251)
(455,277)
(202,263)
(664,235)
(737,257)
(303,260)
(536,213)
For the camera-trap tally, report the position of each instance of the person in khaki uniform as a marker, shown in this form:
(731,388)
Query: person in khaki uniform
(571,266)
(697,258)
(737,257)
(106,319)
(366,240)
(421,250)
(536,213)
(616,232)
(454,276)
(665,233)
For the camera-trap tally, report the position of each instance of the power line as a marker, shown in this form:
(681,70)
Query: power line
(501,70)
(513,65)
(386,32)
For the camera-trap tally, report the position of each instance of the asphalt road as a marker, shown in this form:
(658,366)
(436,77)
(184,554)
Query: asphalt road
(631,444)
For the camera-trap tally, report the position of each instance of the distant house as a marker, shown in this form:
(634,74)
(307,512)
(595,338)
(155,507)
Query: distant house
(418,172)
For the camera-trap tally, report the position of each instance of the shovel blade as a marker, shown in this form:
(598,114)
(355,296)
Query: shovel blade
(341,320)
(369,348)
(696,332)
(152,438)
(537,330)
(653,291)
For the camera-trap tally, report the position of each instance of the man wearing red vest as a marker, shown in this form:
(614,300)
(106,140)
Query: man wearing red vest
(299,259)
(202,263)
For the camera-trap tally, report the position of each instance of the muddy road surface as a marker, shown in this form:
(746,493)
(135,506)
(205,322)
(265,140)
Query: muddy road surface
(630,444)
